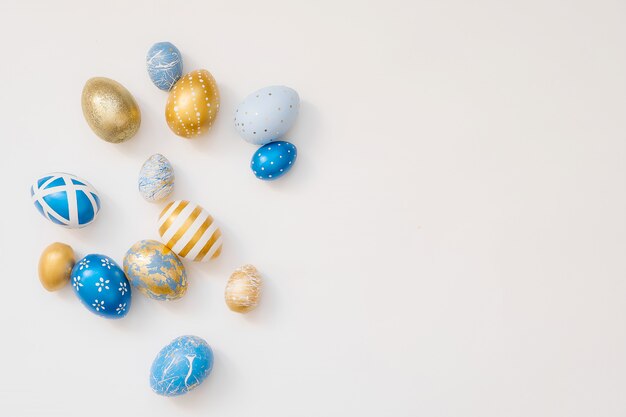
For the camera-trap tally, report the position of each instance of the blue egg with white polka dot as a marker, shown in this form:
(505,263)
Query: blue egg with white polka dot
(101,285)
(273,160)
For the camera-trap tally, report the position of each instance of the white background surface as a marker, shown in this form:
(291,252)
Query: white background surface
(450,242)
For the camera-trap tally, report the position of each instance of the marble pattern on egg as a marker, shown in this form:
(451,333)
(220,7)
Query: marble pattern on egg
(165,65)
(156,178)
(155,270)
(181,366)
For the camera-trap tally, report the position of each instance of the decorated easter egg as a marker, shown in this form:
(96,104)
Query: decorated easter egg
(101,286)
(65,199)
(156,178)
(190,231)
(55,266)
(153,269)
(267,114)
(110,110)
(193,104)
(181,366)
(243,289)
(273,160)
(165,65)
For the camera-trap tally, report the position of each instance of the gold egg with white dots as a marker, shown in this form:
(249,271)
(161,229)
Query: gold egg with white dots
(192,104)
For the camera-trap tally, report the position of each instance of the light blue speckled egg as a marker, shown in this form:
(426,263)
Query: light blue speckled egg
(101,286)
(165,65)
(156,178)
(273,160)
(267,114)
(155,270)
(181,366)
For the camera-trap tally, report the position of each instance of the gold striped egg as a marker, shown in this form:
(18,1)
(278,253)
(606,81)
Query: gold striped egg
(243,289)
(189,231)
(192,104)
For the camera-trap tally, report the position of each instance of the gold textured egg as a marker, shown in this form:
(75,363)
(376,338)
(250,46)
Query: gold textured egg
(192,104)
(110,110)
(243,289)
(55,265)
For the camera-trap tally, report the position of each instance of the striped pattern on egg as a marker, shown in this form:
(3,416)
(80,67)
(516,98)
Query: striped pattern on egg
(189,231)
(65,199)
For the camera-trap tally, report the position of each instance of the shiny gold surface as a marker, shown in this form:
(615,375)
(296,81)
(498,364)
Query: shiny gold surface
(243,289)
(110,110)
(55,265)
(192,104)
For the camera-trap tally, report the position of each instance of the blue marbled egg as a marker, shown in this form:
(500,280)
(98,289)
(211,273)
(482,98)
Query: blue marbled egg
(156,178)
(165,65)
(65,199)
(181,366)
(153,269)
(273,160)
(101,286)
(267,114)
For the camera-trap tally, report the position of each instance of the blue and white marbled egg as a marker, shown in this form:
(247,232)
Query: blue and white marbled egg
(267,114)
(156,178)
(181,366)
(65,199)
(273,160)
(165,65)
(101,286)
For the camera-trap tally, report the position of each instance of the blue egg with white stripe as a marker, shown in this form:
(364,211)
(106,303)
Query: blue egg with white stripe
(165,65)
(273,160)
(65,199)
(181,366)
(101,285)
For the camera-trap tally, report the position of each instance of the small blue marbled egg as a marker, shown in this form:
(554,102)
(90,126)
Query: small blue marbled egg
(165,65)
(181,366)
(273,160)
(153,269)
(101,286)
(267,114)
(156,178)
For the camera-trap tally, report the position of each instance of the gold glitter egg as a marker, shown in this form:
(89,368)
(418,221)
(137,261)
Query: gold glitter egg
(243,289)
(192,104)
(110,110)
(55,266)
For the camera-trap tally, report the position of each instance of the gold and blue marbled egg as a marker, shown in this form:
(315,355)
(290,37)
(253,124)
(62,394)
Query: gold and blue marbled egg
(156,178)
(156,271)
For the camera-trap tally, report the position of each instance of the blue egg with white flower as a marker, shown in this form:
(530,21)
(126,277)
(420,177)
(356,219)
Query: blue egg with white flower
(165,65)
(65,199)
(273,160)
(181,366)
(101,286)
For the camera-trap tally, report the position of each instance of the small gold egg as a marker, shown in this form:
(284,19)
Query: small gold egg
(243,289)
(55,265)
(110,110)
(192,104)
